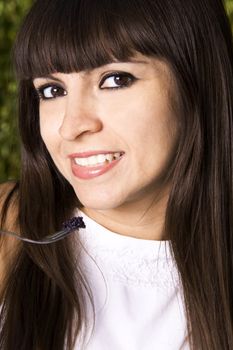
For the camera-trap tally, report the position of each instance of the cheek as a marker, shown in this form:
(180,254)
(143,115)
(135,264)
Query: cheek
(50,121)
(150,131)
(146,124)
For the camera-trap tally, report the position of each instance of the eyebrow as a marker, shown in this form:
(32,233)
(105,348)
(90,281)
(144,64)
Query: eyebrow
(131,61)
(88,71)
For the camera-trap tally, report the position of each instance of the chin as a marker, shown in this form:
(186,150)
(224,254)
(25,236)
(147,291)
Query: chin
(98,201)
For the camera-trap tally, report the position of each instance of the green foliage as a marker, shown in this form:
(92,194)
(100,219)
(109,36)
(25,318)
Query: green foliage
(229,8)
(11,14)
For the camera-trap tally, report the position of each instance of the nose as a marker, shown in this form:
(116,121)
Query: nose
(79,117)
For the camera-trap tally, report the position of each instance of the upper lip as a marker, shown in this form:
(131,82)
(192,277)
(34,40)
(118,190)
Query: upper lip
(91,153)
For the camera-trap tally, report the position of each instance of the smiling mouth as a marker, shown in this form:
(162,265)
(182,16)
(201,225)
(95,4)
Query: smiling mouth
(97,160)
(89,167)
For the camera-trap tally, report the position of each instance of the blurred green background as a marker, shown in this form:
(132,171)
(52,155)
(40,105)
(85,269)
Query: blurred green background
(11,14)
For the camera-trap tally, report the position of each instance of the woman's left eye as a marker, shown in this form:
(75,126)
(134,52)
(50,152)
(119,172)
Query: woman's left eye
(117,81)
(48,92)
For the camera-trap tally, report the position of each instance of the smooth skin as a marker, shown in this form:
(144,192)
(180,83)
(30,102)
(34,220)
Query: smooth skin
(88,110)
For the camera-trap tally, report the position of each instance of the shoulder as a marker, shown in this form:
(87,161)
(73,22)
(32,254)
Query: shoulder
(5,189)
(8,221)
(8,202)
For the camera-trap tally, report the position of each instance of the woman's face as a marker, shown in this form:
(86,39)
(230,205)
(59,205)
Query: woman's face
(122,108)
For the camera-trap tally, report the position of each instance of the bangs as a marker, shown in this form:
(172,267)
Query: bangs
(75,35)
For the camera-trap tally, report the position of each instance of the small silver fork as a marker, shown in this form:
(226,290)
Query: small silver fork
(69,226)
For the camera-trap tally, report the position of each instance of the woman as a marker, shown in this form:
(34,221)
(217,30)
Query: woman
(125,115)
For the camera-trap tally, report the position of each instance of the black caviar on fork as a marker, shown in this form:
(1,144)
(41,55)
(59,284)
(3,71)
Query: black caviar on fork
(68,227)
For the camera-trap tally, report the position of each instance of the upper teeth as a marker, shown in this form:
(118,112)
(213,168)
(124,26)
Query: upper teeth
(100,158)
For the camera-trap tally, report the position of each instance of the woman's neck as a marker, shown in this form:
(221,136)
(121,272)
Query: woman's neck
(137,220)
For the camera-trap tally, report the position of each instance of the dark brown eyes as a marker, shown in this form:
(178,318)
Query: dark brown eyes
(110,81)
(120,80)
(49,91)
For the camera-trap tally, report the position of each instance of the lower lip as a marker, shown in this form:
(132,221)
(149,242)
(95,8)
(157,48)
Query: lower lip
(89,172)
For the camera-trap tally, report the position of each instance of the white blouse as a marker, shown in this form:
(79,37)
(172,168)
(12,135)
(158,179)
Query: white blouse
(137,293)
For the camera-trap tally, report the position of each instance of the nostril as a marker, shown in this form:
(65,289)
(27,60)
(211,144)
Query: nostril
(77,123)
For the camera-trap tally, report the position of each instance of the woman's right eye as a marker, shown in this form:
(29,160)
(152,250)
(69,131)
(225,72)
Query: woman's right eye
(48,92)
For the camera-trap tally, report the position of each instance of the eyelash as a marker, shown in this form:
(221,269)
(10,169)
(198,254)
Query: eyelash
(40,90)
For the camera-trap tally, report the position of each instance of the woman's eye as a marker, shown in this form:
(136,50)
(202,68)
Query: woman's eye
(117,81)
(50,91)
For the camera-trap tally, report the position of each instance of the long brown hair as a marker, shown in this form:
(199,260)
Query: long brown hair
(194,38)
